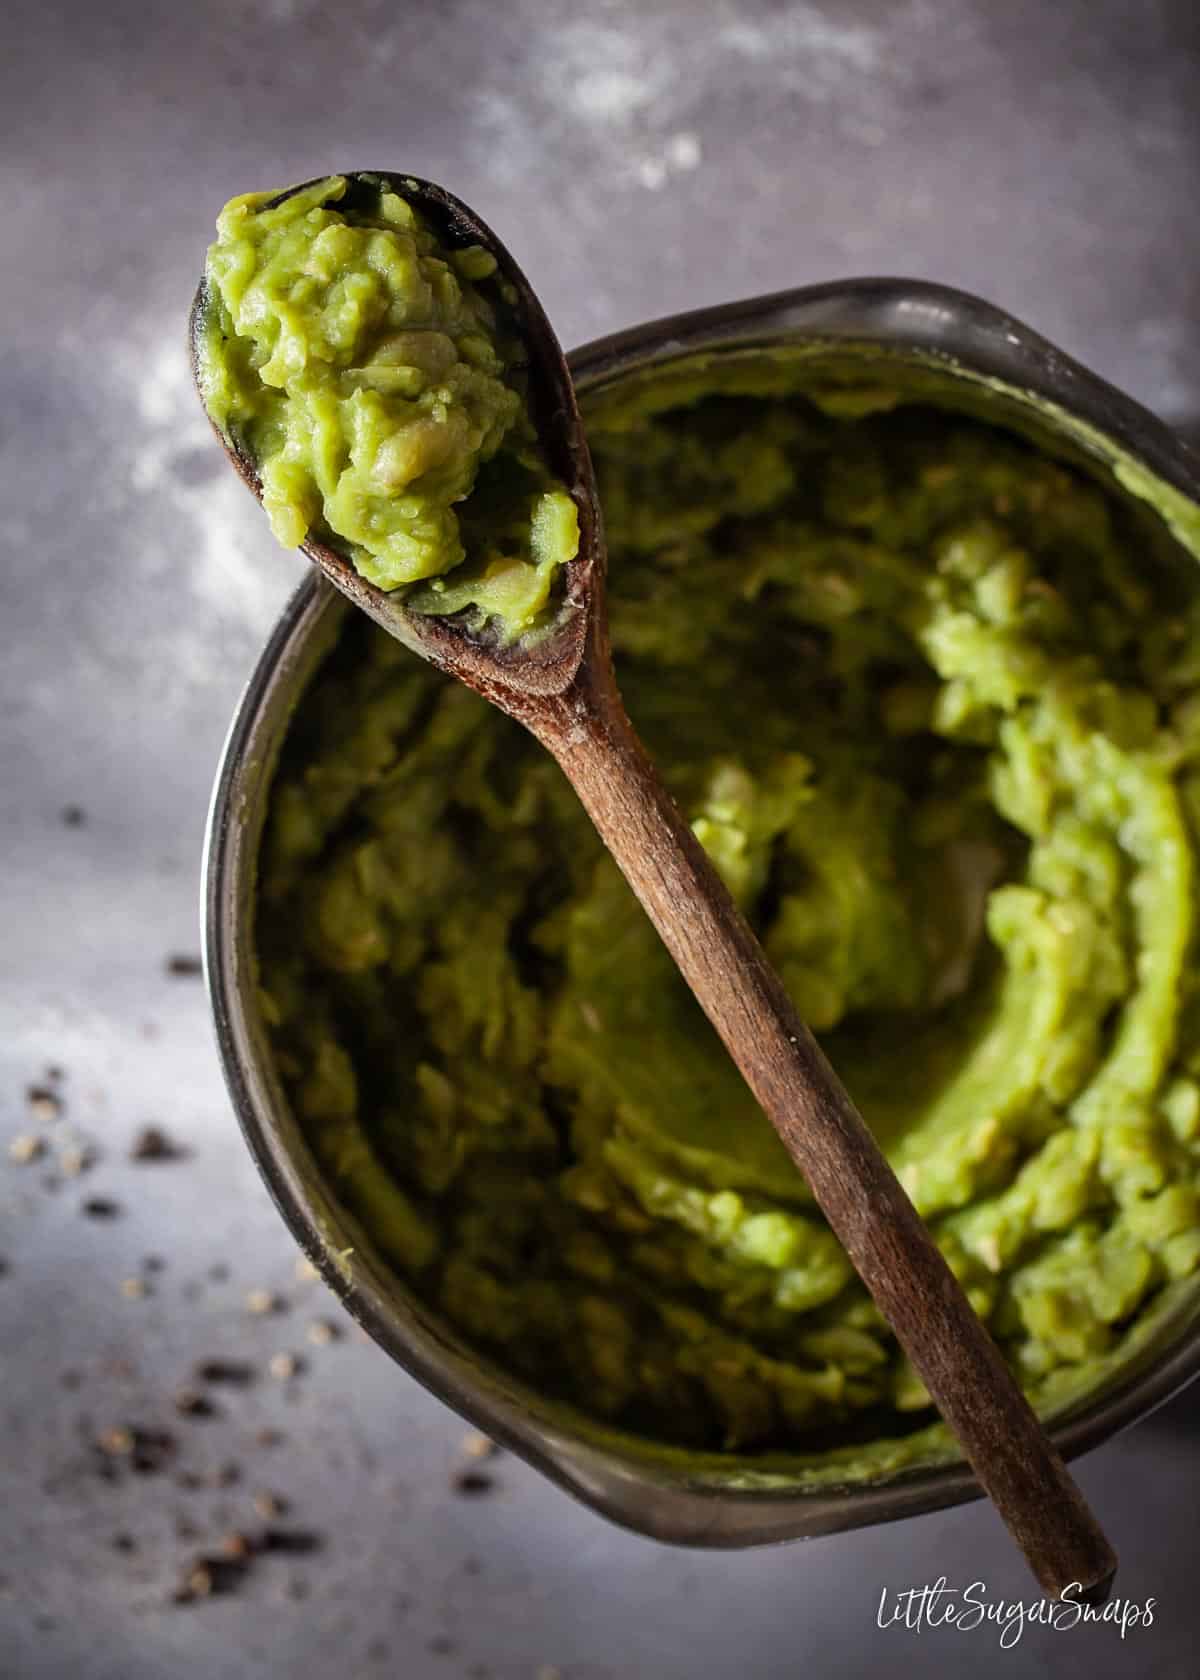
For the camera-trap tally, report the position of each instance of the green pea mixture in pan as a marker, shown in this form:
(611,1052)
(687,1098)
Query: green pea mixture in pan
(932,705)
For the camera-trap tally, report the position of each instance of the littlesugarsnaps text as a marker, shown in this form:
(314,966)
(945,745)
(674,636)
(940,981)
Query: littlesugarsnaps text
(940,1607)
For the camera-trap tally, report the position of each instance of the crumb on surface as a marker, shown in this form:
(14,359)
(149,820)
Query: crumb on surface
(262,1301)
(43,1104)
(153,1144)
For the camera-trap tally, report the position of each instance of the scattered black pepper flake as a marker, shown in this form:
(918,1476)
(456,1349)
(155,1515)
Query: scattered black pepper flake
(189,1402)
(378,1651)
(267,1438)
(229,1475)
(153,1449)
(124,1543)
(473,1484)
(72,816)
(295,1541)
(184,966)
(100,1207)
(154,1263)
(442,1646)
(146,1451)
(191,1481)
(219,1273)
(72,1381)
(472,1566)
(269,1505)
(54,1073)
(153,1144)
(231,1373)
(4,1268)
(207,1577)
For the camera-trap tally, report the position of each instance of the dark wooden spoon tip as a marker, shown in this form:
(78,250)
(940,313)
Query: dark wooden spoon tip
(539,667)
(1100,1590)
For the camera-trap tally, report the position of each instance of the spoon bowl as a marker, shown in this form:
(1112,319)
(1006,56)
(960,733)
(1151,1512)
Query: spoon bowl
(506,675)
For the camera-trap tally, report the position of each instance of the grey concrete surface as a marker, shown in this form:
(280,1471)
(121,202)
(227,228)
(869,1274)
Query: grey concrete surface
(639,158)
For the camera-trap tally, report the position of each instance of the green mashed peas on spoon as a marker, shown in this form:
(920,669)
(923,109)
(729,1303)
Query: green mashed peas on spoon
(370,375)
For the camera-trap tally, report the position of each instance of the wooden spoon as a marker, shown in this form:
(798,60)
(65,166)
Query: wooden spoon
(563,690)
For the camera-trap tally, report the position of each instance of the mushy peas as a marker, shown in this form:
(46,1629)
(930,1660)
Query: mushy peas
(932,705)
(374,380)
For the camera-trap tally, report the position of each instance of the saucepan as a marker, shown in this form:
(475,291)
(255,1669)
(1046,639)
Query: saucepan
(965,354)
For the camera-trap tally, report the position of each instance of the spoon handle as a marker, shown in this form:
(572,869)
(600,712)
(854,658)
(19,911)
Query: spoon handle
(725,966)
